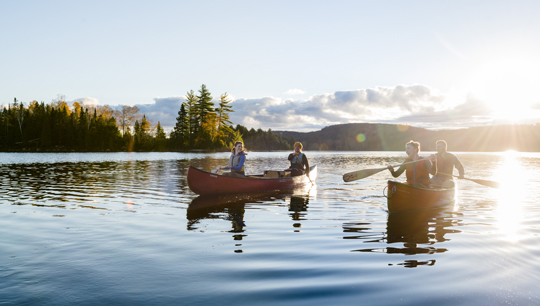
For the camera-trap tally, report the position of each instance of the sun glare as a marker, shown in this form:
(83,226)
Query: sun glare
(510,196)
(507,85)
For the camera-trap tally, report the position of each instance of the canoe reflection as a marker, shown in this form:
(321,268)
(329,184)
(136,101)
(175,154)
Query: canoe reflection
(229,207)
(419,231)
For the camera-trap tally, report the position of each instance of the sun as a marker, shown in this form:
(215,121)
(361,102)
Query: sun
(508,86)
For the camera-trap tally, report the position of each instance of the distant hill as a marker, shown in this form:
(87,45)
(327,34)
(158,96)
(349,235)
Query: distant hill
(391,137)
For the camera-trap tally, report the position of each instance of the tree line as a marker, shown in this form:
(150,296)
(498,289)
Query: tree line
(392,137)
(56,126)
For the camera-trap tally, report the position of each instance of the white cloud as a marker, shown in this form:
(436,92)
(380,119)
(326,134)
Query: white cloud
(295,91)
(164,110)
(417,105)
(87,101)
(374,104)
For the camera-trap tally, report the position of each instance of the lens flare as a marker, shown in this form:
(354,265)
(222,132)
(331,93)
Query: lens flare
(360,137)
(403,128)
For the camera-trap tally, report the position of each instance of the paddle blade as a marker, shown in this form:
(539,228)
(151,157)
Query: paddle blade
(360,174)
(487,183)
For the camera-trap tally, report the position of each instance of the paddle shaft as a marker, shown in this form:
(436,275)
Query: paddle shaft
(486,183)
(360,174)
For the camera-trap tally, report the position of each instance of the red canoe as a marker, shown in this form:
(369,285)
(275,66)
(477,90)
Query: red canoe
(403,197)
(203,182)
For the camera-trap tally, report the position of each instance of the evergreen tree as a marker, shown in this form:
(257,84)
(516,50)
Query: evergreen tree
(46,131)
(223,118)
(142,131)
(193,117)
(161,138)
(205,104)
(180,133)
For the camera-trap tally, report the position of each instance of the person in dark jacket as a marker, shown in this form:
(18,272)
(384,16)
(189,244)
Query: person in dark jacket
(299,161)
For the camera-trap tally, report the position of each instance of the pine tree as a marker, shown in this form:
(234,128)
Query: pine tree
(223,118)
(181,130)
(193,117)
(205,104)
(161,138)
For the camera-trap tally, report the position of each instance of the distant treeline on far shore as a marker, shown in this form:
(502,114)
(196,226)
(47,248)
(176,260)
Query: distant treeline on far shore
(392,137)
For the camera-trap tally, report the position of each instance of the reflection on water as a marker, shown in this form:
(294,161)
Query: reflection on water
(419,232)
(298,207)
(514,179)
(123,223)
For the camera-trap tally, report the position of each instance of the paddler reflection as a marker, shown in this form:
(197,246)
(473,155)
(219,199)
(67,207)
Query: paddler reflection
(418,232)
(298,207)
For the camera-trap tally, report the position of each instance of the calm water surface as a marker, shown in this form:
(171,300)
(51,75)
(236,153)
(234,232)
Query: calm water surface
(124,228)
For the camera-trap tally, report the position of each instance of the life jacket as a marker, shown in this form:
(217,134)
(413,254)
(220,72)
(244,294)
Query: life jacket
(445,165)
(296,161)
(417,172)
(235,161)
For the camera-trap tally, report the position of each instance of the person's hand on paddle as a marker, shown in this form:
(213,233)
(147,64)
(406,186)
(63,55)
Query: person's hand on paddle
(432,157)
(461,177)
(391,169)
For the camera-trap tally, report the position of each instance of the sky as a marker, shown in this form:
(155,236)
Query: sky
(287,65)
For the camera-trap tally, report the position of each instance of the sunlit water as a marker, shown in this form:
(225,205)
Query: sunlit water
(120,228)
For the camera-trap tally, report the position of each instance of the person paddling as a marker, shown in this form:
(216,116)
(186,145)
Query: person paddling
(237,161)
(417,173)
(445,163)
(299,161)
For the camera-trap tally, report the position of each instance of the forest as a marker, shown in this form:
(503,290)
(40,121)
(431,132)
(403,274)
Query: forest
(59,127)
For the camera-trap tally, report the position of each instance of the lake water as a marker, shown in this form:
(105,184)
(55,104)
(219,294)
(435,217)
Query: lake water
(124,228)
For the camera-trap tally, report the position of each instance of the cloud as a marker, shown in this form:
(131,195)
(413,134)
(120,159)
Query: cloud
(295,91)
(416,104)
(87,101)
(380,103)
(164,110)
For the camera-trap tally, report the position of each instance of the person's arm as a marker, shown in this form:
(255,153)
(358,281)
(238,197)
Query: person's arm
(431,169)
(459,166)
(306,163)
(398,172)
(291,156)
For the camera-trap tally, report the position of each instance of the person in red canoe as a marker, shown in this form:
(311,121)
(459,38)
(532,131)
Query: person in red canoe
(299,161)
(417,173)
(236,161)
(445,163)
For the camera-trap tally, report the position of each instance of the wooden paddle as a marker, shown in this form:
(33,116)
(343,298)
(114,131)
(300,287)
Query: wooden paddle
(487,183)
(307,174)
(360,174)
